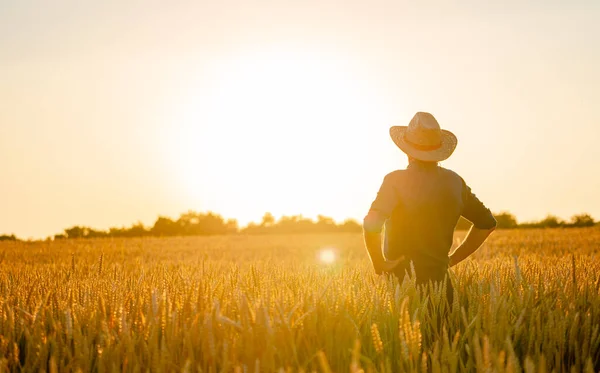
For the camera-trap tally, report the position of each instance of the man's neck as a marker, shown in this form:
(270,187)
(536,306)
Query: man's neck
(421,164)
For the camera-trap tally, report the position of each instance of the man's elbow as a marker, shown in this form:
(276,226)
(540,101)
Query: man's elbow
(368,227)
(489,225)
(372,224)
(493,225)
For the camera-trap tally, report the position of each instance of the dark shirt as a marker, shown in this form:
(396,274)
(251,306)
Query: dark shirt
(420,207)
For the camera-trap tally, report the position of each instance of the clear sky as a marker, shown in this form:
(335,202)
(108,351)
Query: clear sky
(117,111)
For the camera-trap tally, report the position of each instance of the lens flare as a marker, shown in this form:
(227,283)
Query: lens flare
(327,256)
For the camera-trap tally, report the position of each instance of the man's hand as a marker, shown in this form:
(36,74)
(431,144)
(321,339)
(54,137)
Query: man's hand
(472,241)
(372,226)
(387,265)
(380,263)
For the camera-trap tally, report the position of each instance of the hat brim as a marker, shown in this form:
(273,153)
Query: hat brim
(449,142)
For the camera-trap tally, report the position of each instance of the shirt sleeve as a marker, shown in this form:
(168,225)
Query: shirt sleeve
(475,211)
(381,209)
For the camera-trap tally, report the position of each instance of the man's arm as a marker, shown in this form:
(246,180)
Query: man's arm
(474,239)
(483,221)
(374,249)
(373,245)
(381,209)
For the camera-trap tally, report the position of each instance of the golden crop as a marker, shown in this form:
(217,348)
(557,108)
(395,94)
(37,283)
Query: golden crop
(528,301)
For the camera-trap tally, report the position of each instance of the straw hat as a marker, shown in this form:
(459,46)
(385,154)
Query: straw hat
(423,139)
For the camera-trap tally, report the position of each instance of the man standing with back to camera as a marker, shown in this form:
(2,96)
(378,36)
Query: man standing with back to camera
(420,207)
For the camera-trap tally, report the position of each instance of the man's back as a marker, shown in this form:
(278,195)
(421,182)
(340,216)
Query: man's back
(421,207)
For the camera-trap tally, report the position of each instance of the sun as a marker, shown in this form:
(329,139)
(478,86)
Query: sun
(327,256)
(272,119)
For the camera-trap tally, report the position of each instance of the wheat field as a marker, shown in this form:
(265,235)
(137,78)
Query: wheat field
(528,300)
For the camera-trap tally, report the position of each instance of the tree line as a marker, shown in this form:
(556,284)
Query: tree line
(506,220)
(194,223)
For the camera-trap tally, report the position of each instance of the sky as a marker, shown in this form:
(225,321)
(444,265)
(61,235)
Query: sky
(114,112)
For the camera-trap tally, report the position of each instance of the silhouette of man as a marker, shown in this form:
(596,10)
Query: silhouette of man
(420,207)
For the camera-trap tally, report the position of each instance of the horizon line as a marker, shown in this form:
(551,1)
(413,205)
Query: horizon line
(313,219)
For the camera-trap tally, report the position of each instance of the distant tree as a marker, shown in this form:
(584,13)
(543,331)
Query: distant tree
(5,237)
(188,224)
(582,220)
(60,237)
(83,232)
(213,224)
(92,233)
(164,227)
(267,220)
(294,224)
(253,228)
(324,224)
(231,226)
(117,232)
(195,224)
(506,220)
(75,232)
(137,230)
(297,224)
(550,221)
(350,226)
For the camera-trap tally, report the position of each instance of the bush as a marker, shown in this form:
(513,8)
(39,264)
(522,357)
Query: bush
(12,237)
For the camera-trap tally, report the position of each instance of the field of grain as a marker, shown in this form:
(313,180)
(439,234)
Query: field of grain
(529,300)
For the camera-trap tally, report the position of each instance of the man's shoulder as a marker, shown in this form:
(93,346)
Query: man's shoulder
(451,174)
(405,174)
(395,175)
(453,178)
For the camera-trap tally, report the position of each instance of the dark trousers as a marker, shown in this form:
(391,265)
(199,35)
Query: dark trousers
(426,274)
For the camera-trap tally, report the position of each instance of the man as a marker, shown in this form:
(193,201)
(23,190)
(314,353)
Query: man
(420,207)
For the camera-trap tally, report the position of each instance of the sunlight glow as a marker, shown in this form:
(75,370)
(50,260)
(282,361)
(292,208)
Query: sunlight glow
(272,118)
(327,256)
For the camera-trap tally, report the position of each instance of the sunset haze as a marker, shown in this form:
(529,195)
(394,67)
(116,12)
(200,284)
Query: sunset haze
(114,112)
